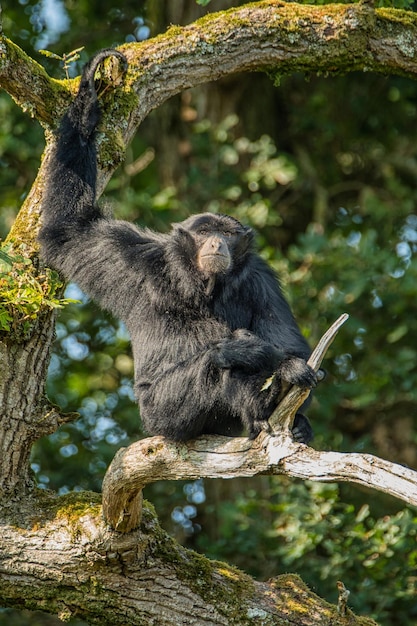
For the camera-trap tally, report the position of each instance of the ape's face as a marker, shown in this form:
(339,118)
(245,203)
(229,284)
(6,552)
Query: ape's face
(219,240)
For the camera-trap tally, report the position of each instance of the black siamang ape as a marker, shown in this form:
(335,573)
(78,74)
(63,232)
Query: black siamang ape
(208,323)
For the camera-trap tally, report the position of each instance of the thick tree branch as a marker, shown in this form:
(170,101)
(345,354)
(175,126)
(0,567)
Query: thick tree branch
(63,560)
(156,458)
(275,36)
(271,35)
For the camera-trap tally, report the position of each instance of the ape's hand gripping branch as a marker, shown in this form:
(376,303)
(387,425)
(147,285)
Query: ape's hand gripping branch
(283,416)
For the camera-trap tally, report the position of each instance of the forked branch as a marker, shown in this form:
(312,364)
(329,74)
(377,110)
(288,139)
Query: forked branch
(156,458)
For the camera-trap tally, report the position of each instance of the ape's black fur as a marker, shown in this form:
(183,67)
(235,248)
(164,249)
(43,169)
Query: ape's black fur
(205,337)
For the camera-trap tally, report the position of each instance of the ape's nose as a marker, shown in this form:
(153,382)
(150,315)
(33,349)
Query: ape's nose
(219,245)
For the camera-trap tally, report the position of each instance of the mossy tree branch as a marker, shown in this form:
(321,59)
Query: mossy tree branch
(270,35)
(30,86)
(62,559)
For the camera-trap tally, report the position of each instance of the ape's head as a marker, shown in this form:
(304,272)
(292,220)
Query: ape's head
(218,243)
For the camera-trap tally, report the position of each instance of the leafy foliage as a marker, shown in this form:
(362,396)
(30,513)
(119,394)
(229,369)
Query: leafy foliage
(304,527)
(24,294)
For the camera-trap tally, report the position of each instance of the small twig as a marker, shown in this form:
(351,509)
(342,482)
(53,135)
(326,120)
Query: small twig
(344,594)
(325,342)
(283,416)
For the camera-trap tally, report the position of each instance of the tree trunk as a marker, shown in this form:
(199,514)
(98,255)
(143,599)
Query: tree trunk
(22,381)
(25,413)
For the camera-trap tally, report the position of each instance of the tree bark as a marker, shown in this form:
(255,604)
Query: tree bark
(271,35)
(22,401)
(60,558)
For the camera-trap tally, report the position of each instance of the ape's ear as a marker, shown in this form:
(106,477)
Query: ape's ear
(249,234)
(182,234)
(177,228)
(244,243)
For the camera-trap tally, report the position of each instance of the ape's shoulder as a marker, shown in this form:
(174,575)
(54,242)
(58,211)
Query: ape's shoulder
(256,275)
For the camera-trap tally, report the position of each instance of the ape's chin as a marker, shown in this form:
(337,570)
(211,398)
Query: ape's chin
(214,264)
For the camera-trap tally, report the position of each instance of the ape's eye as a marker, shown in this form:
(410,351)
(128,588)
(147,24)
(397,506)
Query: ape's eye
(227,233)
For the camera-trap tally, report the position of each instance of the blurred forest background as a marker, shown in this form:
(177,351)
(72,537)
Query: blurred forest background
(325,169)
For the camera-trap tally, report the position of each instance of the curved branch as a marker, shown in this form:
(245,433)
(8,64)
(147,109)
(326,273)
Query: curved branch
(156,458)
(269,35)
(276,36)
(325,342)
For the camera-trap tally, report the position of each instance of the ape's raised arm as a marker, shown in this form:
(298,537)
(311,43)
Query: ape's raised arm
(71,184)
(75,237)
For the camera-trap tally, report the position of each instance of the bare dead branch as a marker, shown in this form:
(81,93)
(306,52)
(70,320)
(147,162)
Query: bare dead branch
(153,459)
(283,416)
(325,342)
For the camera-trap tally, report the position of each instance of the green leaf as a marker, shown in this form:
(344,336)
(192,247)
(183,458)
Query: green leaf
(50,55)
(6,258)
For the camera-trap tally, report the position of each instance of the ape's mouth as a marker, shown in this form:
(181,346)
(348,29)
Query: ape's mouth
(216,254)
